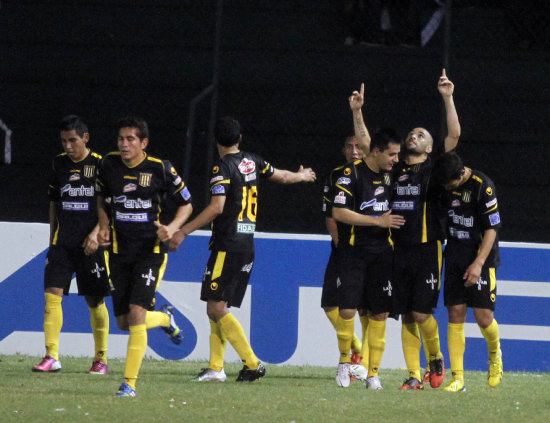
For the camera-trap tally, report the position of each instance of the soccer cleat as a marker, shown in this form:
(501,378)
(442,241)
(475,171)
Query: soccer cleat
(173,331)
(437,372)
(412,384)
(356,358)
(48,364)
(98,368)
(342,375)
(358,372)
(126,390)
(210,375)
(456,385)
(249,375)
(494,377)
(426,377)
(373,382)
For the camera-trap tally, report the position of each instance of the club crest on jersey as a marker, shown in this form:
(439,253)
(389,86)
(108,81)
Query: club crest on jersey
(74,177)
(387,179)
(129,187)
(89,171)
(466,196)
(247,166)
(145,179)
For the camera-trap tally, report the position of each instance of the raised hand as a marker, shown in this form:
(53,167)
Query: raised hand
(357,99)
(445,86)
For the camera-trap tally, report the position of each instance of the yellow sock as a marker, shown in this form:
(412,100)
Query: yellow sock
(410,340)
(492,337)
(344,332)
(137,343)
(457,345)
(99,319)
(427,354)
(53,322)
(154,319)
(332,316)
(218,342)
(235,335)
(356,345)
(365,347)
(376,334)
(430,337)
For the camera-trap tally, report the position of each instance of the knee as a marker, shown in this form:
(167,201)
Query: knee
(216,310)
(94,302)
(347,314)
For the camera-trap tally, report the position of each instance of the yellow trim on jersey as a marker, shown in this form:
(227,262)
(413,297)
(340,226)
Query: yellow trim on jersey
(225,181)
(343,189)
(55,234)
(439,263)
(352,237)
(83,158)
(156,249)
(162,269)
(492,279)
(357,161)
(153,159)
(145,157)
(106,257)
(218,266)
(97,155)
(115,242)
(477,178)
(492,209)
(326,199)
(424,224)
(182,185)
(266,168)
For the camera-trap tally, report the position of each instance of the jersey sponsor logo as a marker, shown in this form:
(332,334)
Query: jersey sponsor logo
(97,270)
(480,284)
(177,181)
(343,181)
(466,195)
(494,219)
(138,203)
(132,217)
(250,177)
(74,177)
(324,207)
(215,169)
(185,194)
(247,166)
(491,203)
(468,222)
(489,191)
(80,191)
(455,203)
(378,191)
(402,205)
(377,182)
(432,281)
(408,190)
(376,206)
(366,204)
(246,228)
(129,187)
(218,189)
(145,179)
(216,179)
(129,177)
(326,188)
(247,267)
(75,206)
(148,277)
(388,289)
(459,234)
(340,198)
(403,178)
(89,171)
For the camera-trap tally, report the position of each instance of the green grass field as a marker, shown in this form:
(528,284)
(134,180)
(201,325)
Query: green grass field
(287,394)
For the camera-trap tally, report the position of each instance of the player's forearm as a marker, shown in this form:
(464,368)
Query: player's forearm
(453,124)
(361,131)
(52,213)
(181,216)
(489,237)
(353,218)
(332,229)
(102,216)
(204,218)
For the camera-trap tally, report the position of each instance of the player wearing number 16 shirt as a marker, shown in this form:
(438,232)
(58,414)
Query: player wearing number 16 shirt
(232,212)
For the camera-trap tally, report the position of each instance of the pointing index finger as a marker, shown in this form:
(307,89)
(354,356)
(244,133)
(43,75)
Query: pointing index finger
(443,73)
(362,89)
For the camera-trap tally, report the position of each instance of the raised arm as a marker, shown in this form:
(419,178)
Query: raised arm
(446,89)
(356,101)
(282,176)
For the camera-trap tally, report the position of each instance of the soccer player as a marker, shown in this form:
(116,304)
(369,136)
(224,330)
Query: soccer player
(471,258)
(361,198)
(232,212)
(74,245)
(329,298)
(130,186)
(417,244)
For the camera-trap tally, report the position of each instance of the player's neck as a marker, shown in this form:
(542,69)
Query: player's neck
(222,150)
(81,157)
(371,164)
(414,158)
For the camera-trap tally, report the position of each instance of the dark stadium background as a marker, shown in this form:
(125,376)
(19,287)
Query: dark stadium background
(285,73)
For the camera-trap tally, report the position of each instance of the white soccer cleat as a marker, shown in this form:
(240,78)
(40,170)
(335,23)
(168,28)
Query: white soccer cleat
(373,382)
(210,375)
(358,371)
(342,375)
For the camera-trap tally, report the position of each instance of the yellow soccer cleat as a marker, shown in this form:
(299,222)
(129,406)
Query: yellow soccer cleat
(494,377)
(456,385)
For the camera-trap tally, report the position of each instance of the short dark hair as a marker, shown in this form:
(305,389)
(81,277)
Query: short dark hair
(134,122)
(70,122)
(227,131)
(383,137)
(447,168)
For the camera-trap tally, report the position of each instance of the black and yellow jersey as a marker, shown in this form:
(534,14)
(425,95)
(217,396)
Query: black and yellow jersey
(472,208)
(72,188)
(415,197)
(344,230)
(134,197)
(366,192)
(235,176)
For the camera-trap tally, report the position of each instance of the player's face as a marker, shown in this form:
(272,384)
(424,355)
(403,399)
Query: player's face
(131,146)
(74,145)
(453,183)
(352,150)
(419,141)
(387,158)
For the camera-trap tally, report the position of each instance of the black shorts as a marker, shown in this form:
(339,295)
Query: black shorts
(135,281)
(91,273)
(329,297)
(226,277)
(365,279)
(417,277)
(481,295)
